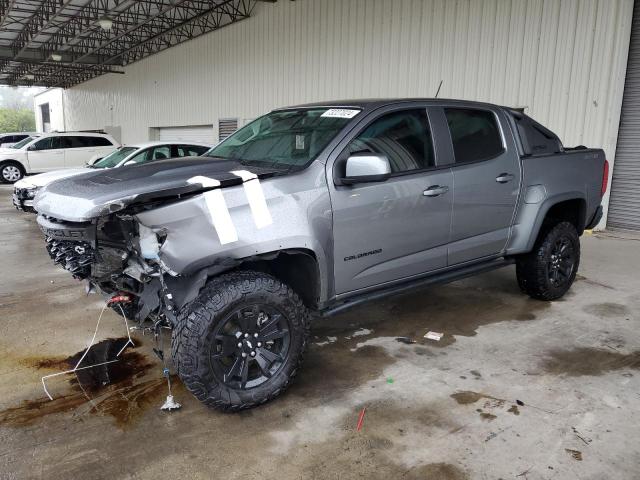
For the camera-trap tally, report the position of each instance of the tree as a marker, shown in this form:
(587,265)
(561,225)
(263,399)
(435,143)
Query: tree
(22,120)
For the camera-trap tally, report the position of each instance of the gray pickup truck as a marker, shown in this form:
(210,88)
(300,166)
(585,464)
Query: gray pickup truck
(314,209)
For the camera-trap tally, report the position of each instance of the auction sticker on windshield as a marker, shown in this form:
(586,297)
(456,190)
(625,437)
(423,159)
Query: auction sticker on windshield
(340,113)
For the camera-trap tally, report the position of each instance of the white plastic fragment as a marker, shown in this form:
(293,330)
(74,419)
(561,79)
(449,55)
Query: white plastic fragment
(149,247)
(255,196)
(218,210)
(170,404)
(434,336)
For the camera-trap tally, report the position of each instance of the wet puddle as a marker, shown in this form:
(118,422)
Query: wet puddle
(455,310)
(582,361)
(121,390)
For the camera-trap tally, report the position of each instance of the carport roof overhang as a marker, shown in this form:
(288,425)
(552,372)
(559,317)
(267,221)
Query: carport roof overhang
(61,43)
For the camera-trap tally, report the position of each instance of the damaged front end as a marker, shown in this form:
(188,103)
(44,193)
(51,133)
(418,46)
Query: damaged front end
(115,255)
(112,232)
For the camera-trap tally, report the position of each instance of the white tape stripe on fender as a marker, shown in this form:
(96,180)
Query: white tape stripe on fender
(255,195)
(217,209)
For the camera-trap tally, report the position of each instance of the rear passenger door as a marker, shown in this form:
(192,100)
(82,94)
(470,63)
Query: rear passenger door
(486,177)
(78,151)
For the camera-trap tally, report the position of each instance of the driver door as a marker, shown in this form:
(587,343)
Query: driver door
(399,228)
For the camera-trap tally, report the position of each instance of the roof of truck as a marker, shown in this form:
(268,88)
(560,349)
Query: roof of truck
(372,103)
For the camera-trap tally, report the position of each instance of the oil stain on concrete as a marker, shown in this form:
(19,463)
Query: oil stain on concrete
(119,390)
(607,310)
(581,361)
(372,452)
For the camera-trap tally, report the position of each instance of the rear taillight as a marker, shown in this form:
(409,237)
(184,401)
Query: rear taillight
(605,178)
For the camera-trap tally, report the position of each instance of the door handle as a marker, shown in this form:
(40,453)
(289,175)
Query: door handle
(504,178)
(435,190)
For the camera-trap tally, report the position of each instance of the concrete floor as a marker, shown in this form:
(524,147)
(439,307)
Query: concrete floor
(434,410)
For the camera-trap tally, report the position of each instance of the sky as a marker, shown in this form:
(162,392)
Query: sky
(18,97)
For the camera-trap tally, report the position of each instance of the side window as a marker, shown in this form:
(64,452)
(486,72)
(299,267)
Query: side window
(404,137)
(99,142)
(191,150)
(44,144)
(160,153)
(72,142)
(537,139)
(140,157)
(475,134)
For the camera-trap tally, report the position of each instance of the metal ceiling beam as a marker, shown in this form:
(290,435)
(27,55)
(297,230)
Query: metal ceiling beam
(5,11)
(140,28)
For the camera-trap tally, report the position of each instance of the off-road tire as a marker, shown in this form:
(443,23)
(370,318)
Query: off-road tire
(192,337)
(533,268)
(15,166)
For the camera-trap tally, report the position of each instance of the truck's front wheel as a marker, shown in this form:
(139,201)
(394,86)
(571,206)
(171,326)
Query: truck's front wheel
(240,343)
(547,272)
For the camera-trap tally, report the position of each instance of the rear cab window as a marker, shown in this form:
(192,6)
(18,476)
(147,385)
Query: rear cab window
(535,138)
(475,134)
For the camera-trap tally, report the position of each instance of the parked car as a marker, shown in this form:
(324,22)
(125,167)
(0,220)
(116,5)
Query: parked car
(11,138)
(44,152)
(315,209)
(25,190)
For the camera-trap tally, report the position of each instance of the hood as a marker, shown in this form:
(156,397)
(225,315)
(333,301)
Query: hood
(8,150)
(100,192)
(43,179)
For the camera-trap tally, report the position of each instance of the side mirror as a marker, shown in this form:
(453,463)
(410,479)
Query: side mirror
(91,161)
(366,167)
(31,148)
(129,162)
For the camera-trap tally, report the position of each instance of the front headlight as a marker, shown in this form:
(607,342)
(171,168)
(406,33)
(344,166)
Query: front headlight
(25,193)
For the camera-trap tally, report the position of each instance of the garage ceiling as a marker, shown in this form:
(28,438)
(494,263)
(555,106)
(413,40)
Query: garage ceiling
(61,43)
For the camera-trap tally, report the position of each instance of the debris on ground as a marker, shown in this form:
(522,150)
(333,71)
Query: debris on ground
(361,419)
(406,340)
(434,336)
(586,440)
(521,403)
(575,454)
(514,410)
(389,380)
(170,404)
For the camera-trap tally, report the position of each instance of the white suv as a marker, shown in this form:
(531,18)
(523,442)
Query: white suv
(53,151)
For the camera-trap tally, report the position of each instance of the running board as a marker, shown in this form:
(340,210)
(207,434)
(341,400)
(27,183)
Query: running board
(444,277)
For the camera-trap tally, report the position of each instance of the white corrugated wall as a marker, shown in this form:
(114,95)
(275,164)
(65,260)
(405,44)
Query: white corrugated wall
(563,59)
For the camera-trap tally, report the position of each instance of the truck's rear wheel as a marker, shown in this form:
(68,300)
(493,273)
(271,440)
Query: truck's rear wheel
(240,343)
(548,271)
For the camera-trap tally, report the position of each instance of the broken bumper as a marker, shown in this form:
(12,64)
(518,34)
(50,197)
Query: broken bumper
(23,199)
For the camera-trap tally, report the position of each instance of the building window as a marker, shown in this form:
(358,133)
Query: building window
(46,117)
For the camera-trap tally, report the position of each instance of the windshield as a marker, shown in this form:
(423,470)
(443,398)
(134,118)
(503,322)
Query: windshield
(288,139)
(114,158)
(23,142)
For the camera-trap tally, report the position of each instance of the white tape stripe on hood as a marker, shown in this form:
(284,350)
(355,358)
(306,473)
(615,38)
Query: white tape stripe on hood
(217,209)
(255,195)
